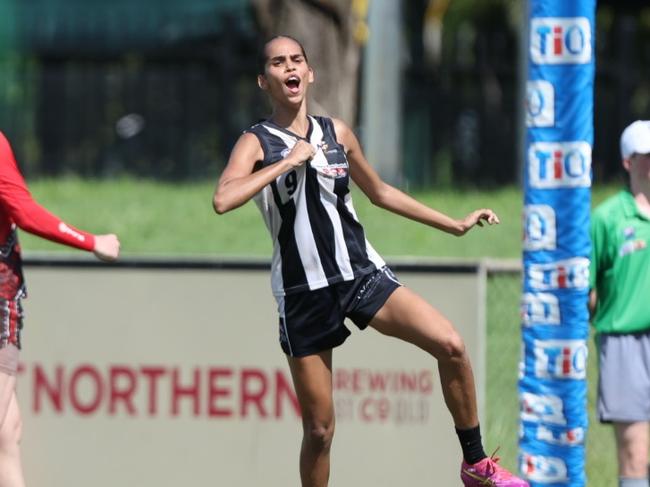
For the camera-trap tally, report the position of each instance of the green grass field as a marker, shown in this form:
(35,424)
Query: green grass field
(157,218)
(165,219)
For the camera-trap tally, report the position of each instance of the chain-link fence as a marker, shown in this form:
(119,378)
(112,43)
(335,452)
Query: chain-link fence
(503,353)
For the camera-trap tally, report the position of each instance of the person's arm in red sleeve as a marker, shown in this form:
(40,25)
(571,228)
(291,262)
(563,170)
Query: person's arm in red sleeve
(28,215)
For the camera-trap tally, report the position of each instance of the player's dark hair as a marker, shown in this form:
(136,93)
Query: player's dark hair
(261,61)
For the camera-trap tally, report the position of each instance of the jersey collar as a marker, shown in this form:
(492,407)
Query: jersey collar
(289,132)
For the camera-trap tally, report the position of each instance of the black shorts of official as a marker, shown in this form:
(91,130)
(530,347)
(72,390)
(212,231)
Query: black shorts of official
(313,321)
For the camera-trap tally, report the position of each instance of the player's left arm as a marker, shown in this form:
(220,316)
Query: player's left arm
(392,199)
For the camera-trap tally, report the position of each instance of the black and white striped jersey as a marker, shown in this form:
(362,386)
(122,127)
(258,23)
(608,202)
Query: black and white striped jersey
(317,238)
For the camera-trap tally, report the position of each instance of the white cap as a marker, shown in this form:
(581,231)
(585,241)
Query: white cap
(635,139)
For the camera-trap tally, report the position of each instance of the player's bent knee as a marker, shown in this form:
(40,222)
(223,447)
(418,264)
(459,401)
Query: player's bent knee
(319,435)
(453,347)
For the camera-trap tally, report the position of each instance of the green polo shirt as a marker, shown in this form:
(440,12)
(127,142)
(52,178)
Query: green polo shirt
(620,265)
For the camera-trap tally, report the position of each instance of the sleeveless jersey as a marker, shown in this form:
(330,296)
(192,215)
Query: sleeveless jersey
(317,238)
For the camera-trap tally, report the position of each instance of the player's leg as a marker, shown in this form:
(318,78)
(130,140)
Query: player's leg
(624,400)
(312,378)
(632,448)
(407,316)
(11,474)
(7,386)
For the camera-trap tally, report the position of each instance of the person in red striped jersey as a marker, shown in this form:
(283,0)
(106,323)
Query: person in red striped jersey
(19,210)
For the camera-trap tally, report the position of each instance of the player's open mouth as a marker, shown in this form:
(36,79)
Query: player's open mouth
(293,84)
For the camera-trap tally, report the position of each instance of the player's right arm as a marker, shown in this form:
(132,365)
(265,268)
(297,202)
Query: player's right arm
(239,182)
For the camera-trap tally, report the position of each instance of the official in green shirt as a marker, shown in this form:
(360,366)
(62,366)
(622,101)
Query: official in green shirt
(620,265)
(620,305)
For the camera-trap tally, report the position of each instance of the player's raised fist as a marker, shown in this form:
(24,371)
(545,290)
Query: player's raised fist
(300,153)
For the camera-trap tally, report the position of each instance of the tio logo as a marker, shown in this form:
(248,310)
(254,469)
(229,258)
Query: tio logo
(560,359)
(543,469)
(559,165)
(539,228)
(540,309)
(560,40)
(563,274)
(540,104)
(565,437)
(537,408)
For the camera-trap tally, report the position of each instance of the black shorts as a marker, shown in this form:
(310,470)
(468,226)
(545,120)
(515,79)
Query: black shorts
(313,321)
